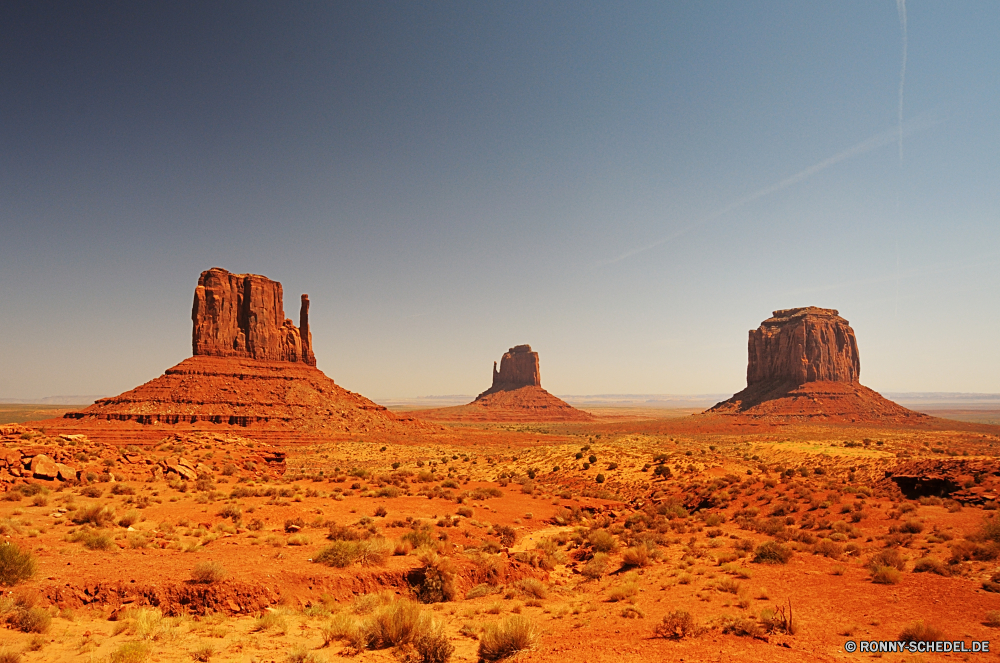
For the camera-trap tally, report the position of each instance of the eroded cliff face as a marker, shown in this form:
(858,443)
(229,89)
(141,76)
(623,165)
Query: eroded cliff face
(242,315)
(803,345)
(518,368)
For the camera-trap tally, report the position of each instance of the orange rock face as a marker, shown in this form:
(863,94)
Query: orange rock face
(243,315)
(803,363)
(518,368)
(802,345)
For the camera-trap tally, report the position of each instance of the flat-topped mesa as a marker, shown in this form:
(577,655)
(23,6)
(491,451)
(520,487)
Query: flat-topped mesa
(518,368)
(243,315)
(801,345)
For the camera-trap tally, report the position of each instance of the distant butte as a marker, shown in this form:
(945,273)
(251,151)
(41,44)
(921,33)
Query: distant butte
(252,368)
(515,395)
(803,363)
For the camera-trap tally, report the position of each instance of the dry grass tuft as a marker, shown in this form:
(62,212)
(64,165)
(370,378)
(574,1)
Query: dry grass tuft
(507,637)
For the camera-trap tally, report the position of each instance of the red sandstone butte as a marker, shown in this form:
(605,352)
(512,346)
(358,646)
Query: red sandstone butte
(804,363)
(516,395)
(242,315)
(251,368)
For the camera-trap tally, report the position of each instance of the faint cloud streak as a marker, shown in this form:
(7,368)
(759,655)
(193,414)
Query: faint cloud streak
(879,140)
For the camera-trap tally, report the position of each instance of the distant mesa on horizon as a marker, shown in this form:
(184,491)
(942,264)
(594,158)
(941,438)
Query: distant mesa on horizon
(515,395)
(251,367)
(804,363)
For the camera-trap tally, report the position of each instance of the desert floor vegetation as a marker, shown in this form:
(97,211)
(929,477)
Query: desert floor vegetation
(491,542)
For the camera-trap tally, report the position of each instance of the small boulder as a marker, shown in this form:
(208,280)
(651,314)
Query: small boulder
(66,473)
(43,467)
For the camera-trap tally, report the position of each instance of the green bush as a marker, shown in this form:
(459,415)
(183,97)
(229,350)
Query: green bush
(16,565)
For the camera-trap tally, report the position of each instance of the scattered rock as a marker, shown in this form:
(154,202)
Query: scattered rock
(43,467)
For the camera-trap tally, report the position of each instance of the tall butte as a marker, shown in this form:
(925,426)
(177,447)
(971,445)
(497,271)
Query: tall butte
(804,363)
(252,368)
(516,395)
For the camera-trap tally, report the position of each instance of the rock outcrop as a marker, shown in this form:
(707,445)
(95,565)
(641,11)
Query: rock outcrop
(802,345)
(251,368)
(518,368)
(803,363)
(516,395)
(243,315)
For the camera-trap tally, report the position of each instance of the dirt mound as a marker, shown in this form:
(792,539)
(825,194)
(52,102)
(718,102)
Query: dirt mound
(204,392)
(523,404)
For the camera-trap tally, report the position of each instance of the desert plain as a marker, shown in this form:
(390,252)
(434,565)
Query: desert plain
(247,508)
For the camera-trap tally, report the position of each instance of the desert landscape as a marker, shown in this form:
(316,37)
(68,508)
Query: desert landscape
(243,507)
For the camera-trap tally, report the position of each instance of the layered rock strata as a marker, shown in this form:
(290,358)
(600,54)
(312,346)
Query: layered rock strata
(516,395)
(802,345)
(803,363)
(518,368)
(242,315)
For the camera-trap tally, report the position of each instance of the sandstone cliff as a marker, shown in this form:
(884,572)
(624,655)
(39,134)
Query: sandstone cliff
(518,368)
(242,315)
(802,345)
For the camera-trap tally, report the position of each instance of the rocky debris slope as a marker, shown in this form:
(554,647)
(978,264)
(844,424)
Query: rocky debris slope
(804,363)
(30,456)
(228,392)
(243,315)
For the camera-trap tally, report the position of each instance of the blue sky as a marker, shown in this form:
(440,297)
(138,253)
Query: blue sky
(628,187)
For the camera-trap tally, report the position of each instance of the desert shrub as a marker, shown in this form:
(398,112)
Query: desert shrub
(828,548)
(912,527)
(92,539)
(203,654)
(920,631)
(772,552)
(391,625)
(228,469)
(294,525)
(269,620)
(15,564)
(626,591)
(340,627)
(931,565)
(298,540)
(992,619)
(122,489)
(885,575)
(740,626)
(9,656)
(431,645)
(729,585)
(90,491)
(344,553)
(94,514)
(130,652)
(30,619)
(506,534)
(596,567)
(533,588)
(146,623)
(676,625)
(888,557)
(208,572)
(437,583)
(507,637)
(131,517)
(231,511)
(602,541)
(419,537)
(637,556)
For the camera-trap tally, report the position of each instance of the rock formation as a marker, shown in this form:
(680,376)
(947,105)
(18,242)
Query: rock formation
(518,368)
(251,368)
(802,345)
(242,315)
(516,395)
(804,363)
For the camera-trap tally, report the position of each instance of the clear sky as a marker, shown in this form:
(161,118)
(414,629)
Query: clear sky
(628,187)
